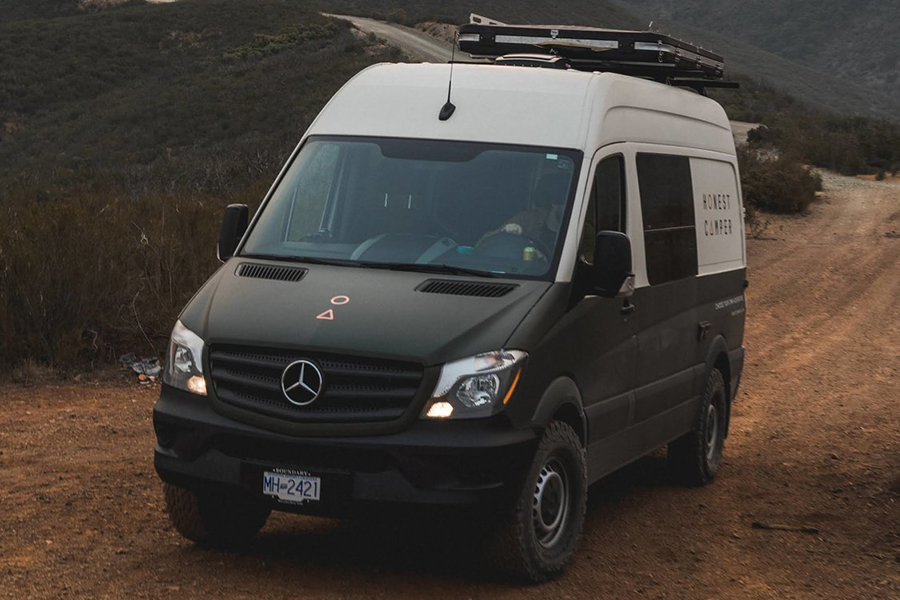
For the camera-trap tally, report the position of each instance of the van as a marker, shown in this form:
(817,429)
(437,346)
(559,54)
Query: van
(482,312)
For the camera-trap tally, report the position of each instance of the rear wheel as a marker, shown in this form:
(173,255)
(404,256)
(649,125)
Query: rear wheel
(539,538)
(214,520)
(695,457)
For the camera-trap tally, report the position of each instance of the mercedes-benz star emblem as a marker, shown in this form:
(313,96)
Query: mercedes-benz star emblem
(301,382)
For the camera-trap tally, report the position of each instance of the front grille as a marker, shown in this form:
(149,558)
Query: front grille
(353,389)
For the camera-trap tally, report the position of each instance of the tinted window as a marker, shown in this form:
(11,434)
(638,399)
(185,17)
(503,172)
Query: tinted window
(667,203)
(605,205)
(420,204)
(609,191)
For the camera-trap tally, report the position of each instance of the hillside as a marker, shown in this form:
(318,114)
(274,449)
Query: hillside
(853,40)
(17,10)
(208,92)
(125,129)
(816,87)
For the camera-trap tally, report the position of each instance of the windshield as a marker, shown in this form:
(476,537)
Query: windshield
(420,205)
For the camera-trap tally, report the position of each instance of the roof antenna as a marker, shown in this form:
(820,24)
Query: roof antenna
(448,109)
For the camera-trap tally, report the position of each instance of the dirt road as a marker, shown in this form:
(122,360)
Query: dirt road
(815,442)
(418,45)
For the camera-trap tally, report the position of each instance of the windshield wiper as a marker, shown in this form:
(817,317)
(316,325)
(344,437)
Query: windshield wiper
(422,268)
(304,259)
(429,268)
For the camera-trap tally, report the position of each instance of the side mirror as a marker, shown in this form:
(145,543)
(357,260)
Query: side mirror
(612,275)
(234,224)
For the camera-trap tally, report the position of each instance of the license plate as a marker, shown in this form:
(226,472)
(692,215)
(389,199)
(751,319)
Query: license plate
(292,487)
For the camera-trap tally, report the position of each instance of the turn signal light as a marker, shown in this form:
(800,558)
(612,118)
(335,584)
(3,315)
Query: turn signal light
(197,385)
(440,410)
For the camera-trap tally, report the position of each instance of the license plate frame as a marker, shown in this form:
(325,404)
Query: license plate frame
(289,486)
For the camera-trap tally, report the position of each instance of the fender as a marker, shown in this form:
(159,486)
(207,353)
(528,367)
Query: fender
(561,392)
(718,347)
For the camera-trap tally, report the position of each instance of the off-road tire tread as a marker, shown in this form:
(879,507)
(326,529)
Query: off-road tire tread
(210,523)
(509,549)
(686,455)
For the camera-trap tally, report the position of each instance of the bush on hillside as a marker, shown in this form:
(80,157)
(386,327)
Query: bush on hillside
(145,92)
(89,277)
(776,183)
(846,144)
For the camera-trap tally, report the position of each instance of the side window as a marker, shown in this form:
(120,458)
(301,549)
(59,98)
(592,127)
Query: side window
(606,204)
(667,203)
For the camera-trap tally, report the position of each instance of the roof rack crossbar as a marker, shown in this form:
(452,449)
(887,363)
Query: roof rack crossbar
(638,53)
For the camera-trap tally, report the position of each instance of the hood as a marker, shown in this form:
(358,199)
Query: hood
(359,312)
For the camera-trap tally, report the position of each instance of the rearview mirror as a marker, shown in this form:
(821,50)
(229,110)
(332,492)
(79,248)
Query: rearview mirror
(612,273)
(234,224)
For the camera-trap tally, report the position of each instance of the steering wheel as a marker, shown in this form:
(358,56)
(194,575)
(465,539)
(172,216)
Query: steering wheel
(509,245)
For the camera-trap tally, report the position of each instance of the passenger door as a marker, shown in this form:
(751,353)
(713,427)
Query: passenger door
(667,325)
(604,327)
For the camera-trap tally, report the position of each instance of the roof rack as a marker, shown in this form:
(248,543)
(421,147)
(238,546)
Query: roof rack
(638,53)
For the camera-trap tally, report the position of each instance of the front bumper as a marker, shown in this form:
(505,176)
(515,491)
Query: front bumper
(447,463)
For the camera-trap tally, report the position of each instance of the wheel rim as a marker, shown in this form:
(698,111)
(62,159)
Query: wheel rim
(712,432)
(550,504)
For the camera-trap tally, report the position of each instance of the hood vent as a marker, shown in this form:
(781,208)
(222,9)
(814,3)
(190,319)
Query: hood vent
(466,288)
(289,274)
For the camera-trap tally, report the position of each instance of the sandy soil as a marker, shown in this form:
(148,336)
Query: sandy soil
(815,442)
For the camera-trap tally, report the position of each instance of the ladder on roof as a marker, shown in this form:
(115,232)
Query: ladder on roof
(644,54)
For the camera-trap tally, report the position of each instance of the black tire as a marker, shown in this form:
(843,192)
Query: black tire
(525,547)
(214,520)
(695,458)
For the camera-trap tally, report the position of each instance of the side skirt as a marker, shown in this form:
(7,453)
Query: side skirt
(627,446)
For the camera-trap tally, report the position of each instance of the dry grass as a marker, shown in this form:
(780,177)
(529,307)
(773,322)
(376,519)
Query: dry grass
(93,275)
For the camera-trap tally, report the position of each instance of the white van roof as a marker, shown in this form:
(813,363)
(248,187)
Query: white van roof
(520,105)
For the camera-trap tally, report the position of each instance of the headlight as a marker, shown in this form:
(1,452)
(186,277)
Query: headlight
(184,362)
(475,387)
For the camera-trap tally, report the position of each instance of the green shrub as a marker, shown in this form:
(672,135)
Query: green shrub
(265,45)
(776,183)
(398,15)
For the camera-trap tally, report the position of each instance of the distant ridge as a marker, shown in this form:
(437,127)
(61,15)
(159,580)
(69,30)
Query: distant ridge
(856,41)
(816,87)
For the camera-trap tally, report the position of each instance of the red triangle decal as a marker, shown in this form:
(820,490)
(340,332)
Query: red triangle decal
(328,315)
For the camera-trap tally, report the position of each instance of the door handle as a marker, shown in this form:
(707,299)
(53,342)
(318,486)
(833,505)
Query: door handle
(627,308)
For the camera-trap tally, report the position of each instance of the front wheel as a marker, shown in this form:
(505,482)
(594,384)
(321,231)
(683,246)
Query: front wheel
(695,457)
(214,520)
(539,538)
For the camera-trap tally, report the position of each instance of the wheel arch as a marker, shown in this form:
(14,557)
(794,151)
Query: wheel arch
(717,358)
(561,401)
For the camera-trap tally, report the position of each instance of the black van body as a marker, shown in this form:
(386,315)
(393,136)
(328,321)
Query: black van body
(575,344)
(612,327)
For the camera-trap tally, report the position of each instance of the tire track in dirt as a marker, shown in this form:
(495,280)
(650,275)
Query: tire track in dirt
(830,271)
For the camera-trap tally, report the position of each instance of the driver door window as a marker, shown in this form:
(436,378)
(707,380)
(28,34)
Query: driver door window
(606,204)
